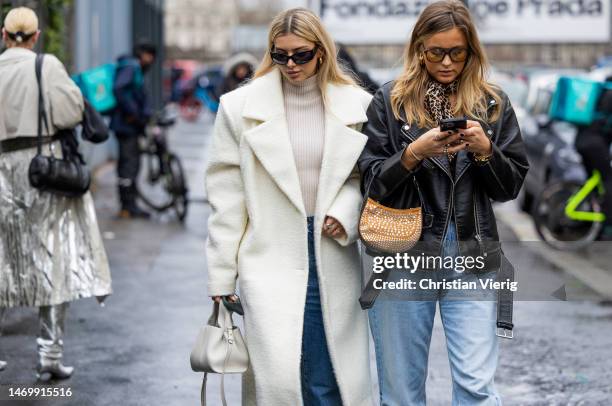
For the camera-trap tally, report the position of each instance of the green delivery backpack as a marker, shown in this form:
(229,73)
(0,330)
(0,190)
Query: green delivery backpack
(97,87)
(575,100)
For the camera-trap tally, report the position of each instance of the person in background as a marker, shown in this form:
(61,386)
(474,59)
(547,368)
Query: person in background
(347,62)
(237,69)
(176,83)
(51,251)
(129,120)
(593,144)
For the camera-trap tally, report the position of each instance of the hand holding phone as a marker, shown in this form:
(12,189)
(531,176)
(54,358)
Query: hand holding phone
(453,124)
(434,142)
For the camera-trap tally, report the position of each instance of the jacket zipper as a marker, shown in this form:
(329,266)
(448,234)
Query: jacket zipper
(418,190)
(451,205)
(478,235)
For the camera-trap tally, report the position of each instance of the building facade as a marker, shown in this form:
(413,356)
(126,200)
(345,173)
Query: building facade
(560,33)
(200,29)
(105,30)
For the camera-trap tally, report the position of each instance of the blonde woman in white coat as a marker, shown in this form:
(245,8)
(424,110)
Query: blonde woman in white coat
(284,193)
(51,251)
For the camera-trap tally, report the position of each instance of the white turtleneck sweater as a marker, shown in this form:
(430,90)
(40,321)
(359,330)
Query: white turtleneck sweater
(306,121)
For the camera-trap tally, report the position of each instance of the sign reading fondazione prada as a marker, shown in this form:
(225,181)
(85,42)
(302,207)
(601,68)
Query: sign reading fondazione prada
(499,21)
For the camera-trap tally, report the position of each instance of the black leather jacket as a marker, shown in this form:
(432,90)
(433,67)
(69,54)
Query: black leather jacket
(467,195)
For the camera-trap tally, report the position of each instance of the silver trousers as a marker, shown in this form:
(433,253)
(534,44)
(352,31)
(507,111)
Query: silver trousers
(51,330)
(2,314)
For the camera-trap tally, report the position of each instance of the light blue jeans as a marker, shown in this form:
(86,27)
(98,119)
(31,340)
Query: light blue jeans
(402,333)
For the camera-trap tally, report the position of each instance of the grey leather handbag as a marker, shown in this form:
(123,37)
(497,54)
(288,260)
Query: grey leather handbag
(219,347)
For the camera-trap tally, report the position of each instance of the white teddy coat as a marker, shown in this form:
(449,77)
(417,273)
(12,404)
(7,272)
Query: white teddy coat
(258,236)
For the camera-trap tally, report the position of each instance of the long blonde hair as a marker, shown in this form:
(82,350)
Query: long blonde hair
(307,25)
(408,93)
(21,20)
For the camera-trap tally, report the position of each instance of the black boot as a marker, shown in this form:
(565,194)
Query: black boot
(134,212)
(129,208)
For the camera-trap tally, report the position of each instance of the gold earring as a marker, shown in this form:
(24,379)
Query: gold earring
(320,60)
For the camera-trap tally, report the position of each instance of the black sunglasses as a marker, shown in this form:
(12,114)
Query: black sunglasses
(456,54)
(300,58)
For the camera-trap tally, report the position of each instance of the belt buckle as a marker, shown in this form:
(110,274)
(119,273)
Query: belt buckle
(504,333)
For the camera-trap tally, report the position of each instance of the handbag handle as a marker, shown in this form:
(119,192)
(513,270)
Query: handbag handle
(42,113)
(203,390)
(366,195)
(227,315)
(228,323)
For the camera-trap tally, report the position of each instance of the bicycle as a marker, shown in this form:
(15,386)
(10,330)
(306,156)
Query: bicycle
(568,215)
(161,184)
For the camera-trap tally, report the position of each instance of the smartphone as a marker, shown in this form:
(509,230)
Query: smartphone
(453,124)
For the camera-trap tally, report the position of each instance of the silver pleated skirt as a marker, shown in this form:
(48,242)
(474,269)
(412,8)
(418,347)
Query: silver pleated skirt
(51,250)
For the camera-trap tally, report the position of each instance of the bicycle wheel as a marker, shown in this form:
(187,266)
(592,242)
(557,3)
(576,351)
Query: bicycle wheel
(554,227)
(178,187)
(152,184)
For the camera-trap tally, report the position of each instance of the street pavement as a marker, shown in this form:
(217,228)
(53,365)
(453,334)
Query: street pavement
(135,349)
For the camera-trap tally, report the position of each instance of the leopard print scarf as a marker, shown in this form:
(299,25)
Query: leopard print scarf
(438,103)
(437,99)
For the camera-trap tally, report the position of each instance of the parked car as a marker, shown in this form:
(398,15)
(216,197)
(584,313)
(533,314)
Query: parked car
(601,73)
(177,74)
(604,62)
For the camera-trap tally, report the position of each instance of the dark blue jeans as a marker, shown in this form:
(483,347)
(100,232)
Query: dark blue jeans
(319,386)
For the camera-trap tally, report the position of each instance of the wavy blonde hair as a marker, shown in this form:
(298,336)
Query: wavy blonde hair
(408,93)
(307,25)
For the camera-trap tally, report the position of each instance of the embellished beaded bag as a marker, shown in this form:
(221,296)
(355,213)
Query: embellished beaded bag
(387,230)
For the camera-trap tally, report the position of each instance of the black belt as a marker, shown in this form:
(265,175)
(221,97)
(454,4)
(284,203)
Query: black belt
(504,296)
(20,143)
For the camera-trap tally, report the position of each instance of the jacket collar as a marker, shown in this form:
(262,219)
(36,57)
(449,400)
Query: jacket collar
(269,138)
(18,50)
(16,53)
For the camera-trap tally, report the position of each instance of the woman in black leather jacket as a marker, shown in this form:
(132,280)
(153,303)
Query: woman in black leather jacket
(453,176)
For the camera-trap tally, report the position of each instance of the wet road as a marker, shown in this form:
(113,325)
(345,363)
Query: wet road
(135,350)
